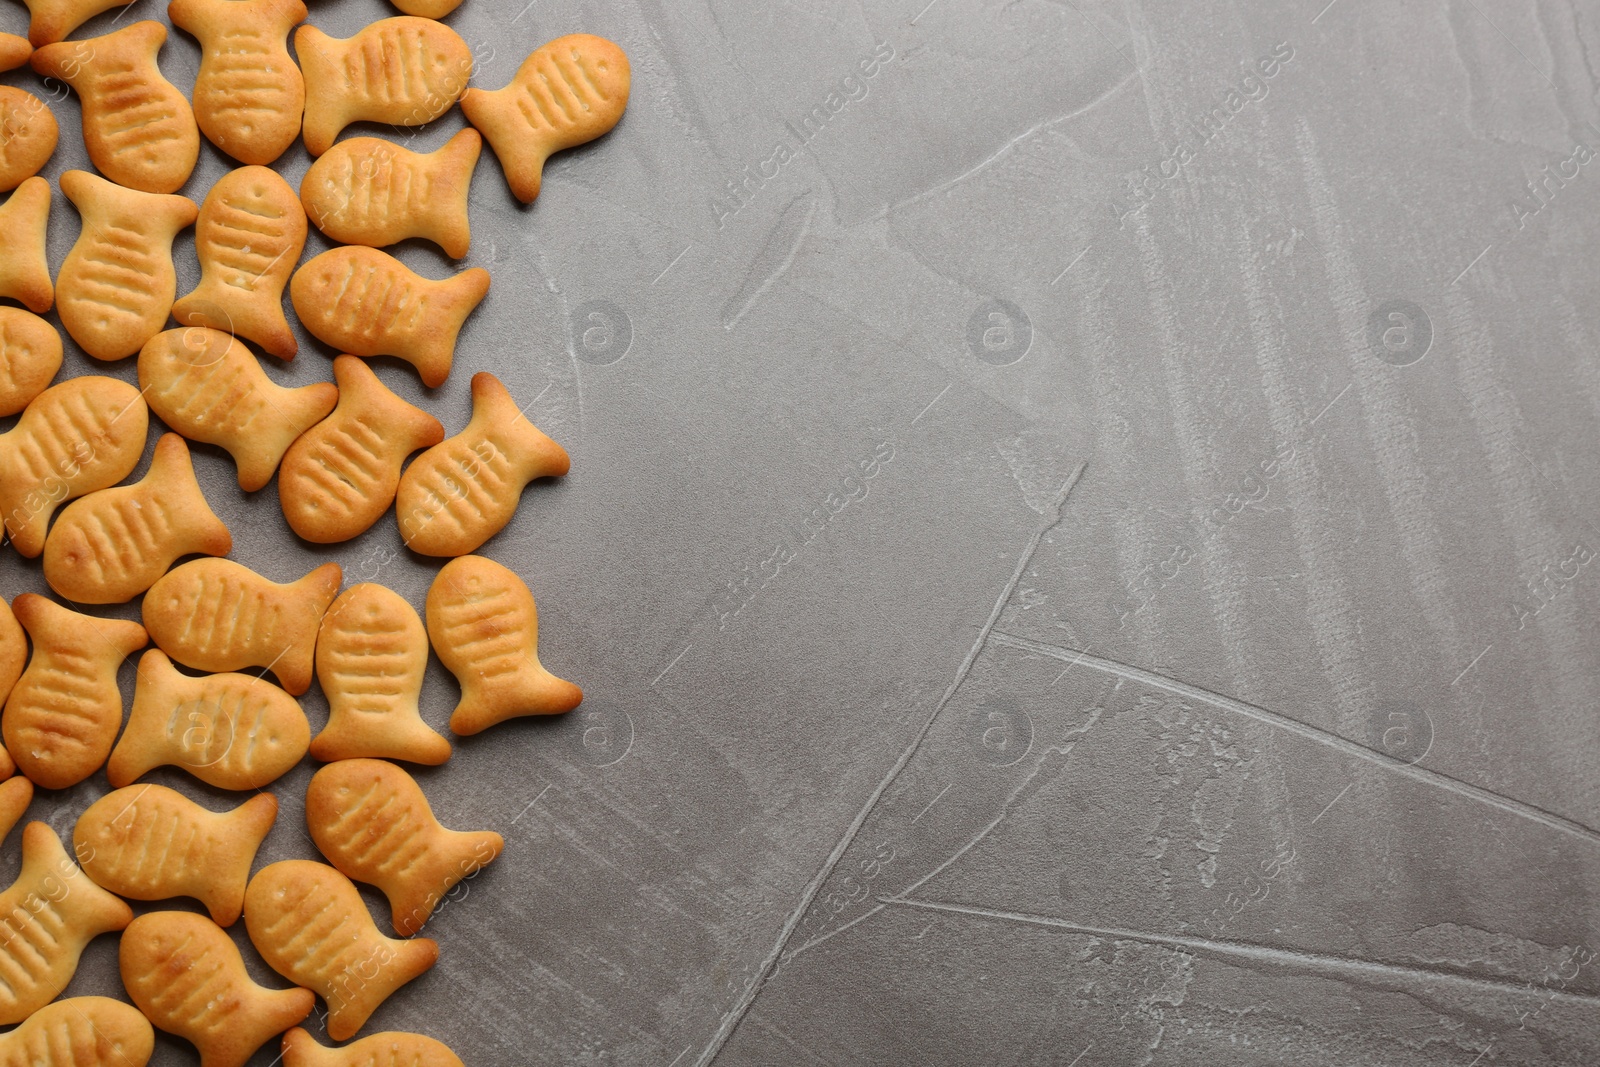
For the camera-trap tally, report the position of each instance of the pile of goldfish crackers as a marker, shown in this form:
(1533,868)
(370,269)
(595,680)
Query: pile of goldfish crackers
(338,450)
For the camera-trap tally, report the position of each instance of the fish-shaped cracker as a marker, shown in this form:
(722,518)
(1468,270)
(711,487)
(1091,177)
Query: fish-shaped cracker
(47,917)
(248,95)
(568,92)
(110,546)
(388,1049)
(367,303)
(484,626)
(372,821)
(369,191)
(233,731)
(371,656)
(209,386)
(137,126)
(340,476)
(63,714)
(311,926)
(30,355)
(403,71)
(463,491)
(116,285)
(84,434)
(80,1032)
(248,238)
(148,842)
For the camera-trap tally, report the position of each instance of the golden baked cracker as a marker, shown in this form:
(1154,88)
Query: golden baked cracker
(248,96)
(14,51)
(485,628)
(462,492)
(148,842)
(80,1032)
(428,9)
(188,978)
(208,386)
(110,546)
(372,821)
(388,1049)
(340,476)
(13,657)
(248,238)
(63,713)
(368,191)
(233,731)
(85,434)
(403,71)
(137,126)
(15,796)
(309,923)
(30,355)
(218,615)
(371,655)
(28,136)
(47,917)
(367,303)
(52,20)
(24,271)
(116,286)
(568,92)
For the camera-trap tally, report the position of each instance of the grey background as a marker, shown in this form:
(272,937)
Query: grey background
(1249,749)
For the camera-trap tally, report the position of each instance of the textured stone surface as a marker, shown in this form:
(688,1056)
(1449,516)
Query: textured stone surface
(1271,742)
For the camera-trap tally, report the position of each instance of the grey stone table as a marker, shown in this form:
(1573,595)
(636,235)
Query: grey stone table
(1080,543)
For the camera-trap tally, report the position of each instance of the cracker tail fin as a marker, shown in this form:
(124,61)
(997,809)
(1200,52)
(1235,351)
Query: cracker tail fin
(398,962)
(29,281)
(274,1012)
(358,384)
(301,408)
(193,16)
(455,858)
(139,749)
(262,322)
(452,180)
(177,212)
(300,1049)
(542,693)
(320,60)
(522,156)
(234,850)
(536,453)
(312,595)
(202,531)
(401,738)
(552,694)
(15,796)
(55,877)
(460,296)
